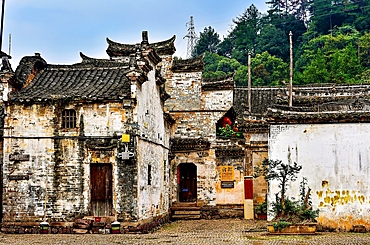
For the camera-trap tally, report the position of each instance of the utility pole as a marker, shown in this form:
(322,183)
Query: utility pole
(191,36)
(249,83)
(10,43)
(2,25)
(291,70)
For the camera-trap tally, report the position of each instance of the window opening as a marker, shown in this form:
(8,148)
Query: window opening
(227,127)
(149,174)
(69,118)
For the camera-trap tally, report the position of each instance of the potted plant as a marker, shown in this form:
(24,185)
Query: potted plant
(228,131)
(261,210)
(290,216)
(98,218)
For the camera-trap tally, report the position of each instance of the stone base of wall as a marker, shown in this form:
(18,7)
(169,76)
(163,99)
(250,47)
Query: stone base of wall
(85,226)
(222,212)
(19,228)
(146,226)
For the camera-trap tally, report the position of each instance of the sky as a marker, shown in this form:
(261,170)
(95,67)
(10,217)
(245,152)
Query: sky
(59,30)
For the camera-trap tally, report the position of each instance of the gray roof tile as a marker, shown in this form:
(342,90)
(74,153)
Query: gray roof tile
(91,79)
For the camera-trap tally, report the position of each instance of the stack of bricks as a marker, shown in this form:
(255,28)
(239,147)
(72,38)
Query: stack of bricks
(100,228)
(82,226)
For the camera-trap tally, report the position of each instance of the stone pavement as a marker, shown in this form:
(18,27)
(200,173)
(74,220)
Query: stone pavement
(193,232)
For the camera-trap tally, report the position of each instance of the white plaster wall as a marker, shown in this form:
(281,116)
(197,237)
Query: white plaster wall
(336,160)
(103,119)
(153,146)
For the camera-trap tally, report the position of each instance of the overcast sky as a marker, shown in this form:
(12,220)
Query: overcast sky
(60,29)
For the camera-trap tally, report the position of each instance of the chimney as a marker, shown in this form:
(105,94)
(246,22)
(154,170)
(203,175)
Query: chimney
(144,35)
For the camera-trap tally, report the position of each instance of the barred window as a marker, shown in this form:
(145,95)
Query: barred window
(69,118)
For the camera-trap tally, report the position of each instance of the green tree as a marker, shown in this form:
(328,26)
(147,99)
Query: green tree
(328,14)
(362,20)
(268,70)
(274,41)
(345,66)
(364,50)
(241,76)
(245,33)
(211,61)
(316,71)
(228,65)
(331,58)
(207,42)
(282,173)
(225,48)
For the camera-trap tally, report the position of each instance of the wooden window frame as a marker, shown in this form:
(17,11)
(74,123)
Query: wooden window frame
(69,118)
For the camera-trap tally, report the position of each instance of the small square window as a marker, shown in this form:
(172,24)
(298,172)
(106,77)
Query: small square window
(69,118)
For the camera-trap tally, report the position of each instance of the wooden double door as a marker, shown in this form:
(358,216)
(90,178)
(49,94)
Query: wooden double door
(101,189)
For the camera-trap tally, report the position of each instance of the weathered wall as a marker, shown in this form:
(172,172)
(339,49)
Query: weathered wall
(196,124)
(185,91)
(196,112)
(204,161)
(234,195)
(153,148)
(256,151)
(335,160)
(58,184)
(217,100)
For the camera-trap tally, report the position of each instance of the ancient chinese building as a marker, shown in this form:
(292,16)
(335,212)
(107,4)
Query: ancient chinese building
(88,139)
(141,136)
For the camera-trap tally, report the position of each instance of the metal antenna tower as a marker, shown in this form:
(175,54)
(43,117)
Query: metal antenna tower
(192,37)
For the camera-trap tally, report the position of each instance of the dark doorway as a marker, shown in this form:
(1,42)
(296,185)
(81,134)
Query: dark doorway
(187,178)
(101,189)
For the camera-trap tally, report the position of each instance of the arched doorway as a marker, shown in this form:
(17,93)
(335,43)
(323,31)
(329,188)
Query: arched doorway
(187,182)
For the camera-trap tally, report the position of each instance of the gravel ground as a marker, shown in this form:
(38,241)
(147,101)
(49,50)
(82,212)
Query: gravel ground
(194,232)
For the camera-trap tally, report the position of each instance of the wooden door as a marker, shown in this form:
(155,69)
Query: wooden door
(101,189)
(188,182)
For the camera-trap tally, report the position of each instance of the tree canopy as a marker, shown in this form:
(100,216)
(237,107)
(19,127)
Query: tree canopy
(330,43)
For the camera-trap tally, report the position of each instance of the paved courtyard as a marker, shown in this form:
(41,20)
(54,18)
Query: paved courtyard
(225,231)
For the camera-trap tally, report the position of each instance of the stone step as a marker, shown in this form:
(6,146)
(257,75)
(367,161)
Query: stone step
(187,212)
(80,231)
(184,216)
(184,208)
(184,204)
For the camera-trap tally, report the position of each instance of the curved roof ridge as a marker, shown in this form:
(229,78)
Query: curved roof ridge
(166,47)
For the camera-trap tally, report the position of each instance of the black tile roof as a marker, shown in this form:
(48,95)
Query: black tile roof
(92,79)
(261,99)
(219,83)
(311,103)
(189,65)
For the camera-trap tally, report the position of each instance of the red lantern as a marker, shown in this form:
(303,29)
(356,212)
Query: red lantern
(226,121)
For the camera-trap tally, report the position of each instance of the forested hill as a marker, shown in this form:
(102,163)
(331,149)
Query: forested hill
(331,43)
